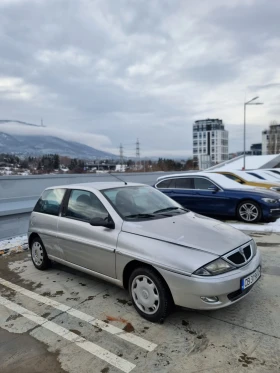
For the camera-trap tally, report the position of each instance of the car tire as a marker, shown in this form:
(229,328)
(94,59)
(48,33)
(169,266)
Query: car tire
(39,255)
(249,211)
(150,295)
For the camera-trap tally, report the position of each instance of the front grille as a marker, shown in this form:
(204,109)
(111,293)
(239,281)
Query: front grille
(236,258)
(247,251)
(240,256)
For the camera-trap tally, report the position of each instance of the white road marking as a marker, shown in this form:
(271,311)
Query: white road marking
(81,342)
(134,339)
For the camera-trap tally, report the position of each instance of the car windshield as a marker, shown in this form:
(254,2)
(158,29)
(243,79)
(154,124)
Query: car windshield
(141,202)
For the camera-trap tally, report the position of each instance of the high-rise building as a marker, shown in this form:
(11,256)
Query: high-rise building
(256,149)
(271,140)
(210,142)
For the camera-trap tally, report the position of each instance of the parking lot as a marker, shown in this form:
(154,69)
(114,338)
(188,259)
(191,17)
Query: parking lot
(62,320)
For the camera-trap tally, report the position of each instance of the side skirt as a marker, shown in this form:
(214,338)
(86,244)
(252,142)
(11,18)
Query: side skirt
(86,270)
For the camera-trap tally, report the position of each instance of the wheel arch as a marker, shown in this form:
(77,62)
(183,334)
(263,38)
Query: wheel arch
(132,265)
(31,238)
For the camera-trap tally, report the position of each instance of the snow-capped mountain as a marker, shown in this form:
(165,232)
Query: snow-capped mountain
(40,145)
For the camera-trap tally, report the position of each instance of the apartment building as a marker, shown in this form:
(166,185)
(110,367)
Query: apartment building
(271,140)
(210,142)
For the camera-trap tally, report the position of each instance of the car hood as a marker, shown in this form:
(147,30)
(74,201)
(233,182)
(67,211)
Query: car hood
(266,182)
(190,230)
(258,191)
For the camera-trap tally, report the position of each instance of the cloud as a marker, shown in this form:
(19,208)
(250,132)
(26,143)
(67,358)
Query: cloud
(16,89)
(121,70)
(212,73)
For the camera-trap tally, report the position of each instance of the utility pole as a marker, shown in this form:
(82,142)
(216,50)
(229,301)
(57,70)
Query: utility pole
(121,155)
(244,139)
(138,152)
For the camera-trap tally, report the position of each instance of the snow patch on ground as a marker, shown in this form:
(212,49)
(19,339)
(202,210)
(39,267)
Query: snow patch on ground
(13,245)
(266,227)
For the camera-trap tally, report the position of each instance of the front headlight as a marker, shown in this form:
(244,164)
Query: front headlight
(254,247)
(216,267)
(270,200)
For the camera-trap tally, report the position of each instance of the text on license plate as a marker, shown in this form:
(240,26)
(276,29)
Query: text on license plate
(251,279)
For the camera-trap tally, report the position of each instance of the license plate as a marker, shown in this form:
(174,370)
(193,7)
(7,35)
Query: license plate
(251,279)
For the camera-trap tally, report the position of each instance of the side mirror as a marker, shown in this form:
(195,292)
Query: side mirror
(99,222)
(213,189)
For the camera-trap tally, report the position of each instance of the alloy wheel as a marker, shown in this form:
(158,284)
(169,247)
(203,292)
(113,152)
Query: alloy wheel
(145,294)
(248,212)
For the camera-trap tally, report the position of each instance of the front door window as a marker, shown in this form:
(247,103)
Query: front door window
(201,183)
(84,205)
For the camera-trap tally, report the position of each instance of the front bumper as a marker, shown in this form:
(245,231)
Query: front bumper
(275,213)
(271,210)
(188,290)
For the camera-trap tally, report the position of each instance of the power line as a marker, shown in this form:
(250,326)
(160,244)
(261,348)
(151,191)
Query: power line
(138,154)
(137,149)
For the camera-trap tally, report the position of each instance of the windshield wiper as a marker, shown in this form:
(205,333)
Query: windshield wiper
(140,216)
(169,209)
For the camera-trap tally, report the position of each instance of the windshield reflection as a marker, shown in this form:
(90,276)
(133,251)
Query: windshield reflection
(142,202)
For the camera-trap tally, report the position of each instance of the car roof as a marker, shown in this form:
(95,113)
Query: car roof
(220,179)
(266,173)
(96,185)
(245,175)
(182,174)
(271,169)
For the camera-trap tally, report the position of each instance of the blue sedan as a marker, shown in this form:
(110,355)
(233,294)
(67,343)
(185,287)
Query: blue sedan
(214,194)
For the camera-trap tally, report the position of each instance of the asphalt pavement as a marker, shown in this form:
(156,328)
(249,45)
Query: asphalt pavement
(62,320)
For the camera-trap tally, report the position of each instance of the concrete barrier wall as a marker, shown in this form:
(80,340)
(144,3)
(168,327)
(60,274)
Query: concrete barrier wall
(13,225)
(18,194)
(32,186)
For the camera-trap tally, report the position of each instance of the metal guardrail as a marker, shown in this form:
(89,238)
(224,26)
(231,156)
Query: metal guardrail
(18,194)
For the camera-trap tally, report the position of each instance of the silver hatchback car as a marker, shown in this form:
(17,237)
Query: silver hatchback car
(136,237)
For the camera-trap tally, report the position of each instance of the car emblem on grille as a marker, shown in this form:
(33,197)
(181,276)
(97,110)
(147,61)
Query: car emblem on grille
(242,253)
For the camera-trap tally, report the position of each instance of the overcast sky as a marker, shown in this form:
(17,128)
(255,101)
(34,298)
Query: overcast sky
(122,69)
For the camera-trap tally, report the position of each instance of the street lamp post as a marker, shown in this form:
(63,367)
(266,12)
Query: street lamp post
(244,132)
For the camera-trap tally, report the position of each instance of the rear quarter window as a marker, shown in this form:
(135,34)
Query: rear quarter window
(168,183)
(50,201)
(164,184)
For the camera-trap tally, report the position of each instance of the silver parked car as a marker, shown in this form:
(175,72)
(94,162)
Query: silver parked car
(136,237)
